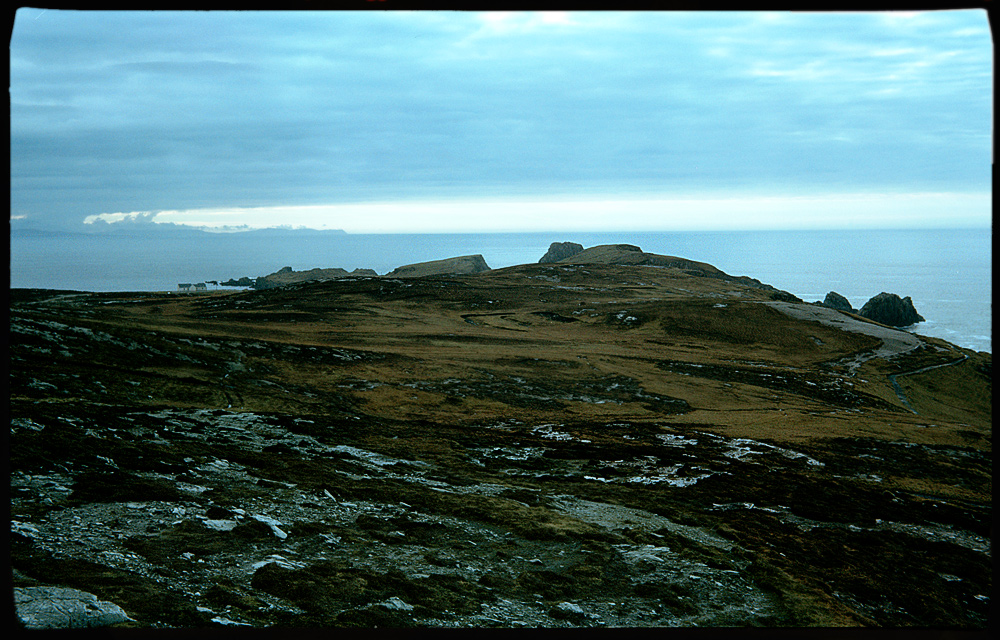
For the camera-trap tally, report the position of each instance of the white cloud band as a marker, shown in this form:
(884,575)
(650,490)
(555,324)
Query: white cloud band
(915,210)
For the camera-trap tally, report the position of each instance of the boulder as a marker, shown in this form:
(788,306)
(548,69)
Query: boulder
(63,608)
(836,301)
(560,251)
(890,309)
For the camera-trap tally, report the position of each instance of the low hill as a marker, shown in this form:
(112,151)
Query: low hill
(628,254)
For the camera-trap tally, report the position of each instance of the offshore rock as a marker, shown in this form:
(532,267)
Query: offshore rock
(836,301)
(63,608)
(560,251)
(890,309)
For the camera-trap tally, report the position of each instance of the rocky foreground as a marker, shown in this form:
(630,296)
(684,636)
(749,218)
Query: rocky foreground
(551,445)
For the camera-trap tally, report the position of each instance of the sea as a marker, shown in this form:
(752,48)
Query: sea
(946,272)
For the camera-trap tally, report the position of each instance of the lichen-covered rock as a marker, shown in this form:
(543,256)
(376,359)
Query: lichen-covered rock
(63,608)
(890,309)
(561,250)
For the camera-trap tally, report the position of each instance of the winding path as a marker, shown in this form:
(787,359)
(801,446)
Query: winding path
(899,390)
(894,341)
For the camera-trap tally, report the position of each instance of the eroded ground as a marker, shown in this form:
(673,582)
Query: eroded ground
(536,446)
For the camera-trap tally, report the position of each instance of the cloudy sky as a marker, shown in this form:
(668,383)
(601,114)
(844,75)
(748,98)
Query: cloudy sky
(461,121)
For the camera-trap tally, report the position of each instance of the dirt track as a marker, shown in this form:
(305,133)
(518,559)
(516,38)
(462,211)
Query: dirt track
(894,341)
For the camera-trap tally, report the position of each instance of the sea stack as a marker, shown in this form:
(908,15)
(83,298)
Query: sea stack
(890,309)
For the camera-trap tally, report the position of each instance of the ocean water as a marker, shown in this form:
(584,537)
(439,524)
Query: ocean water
(947,273)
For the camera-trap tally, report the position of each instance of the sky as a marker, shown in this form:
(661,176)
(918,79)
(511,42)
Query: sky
(445,121)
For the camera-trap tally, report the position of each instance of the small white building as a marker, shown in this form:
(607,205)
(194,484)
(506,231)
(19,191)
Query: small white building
(184,286)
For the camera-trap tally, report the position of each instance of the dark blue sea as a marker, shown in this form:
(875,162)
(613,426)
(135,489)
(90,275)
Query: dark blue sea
(947,273)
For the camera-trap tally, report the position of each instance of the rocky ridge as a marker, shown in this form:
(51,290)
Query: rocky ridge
(628,254)
(286,276)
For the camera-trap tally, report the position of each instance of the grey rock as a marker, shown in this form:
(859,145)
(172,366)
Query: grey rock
(890,309)
(64,608)
(836,301)
(570,607)
(567,610)
(271,522)
(396,604)
(561,250)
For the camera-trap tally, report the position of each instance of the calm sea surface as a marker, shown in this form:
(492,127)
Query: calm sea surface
(948,273)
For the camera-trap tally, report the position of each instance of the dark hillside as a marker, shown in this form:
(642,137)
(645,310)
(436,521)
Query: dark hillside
(573,444)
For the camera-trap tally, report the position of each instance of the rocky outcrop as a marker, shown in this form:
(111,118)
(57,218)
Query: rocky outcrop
(836,301)
(286,275)
(461,265)
(242,282)
(890,309)
(560,251)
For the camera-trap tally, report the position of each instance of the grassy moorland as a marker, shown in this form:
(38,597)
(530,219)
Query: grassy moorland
(541,445)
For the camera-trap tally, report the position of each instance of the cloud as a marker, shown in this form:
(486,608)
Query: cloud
(148,111)
(622,213)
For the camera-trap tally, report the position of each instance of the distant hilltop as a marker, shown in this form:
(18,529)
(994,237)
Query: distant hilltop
(449,266)
(629,254)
